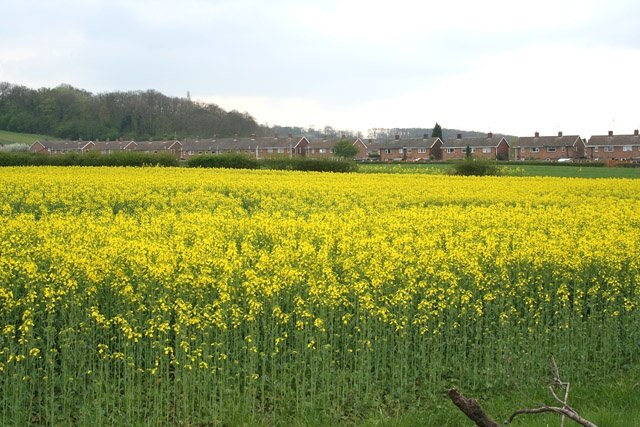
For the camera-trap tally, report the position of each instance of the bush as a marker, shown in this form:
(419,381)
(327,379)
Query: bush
(317,165)
(229,161)
(87,159)
(475,167)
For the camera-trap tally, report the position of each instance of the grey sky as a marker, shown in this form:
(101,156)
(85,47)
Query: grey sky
(506,66)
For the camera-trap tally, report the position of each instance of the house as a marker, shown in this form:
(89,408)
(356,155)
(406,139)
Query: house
(107,147)
(172,146)
(489,147)
(614,147)
(411,149)
(258,147)
(549,147)
(61,146)
(323,148)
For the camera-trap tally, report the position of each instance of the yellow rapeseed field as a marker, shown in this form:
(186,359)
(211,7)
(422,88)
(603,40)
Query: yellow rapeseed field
(163,294)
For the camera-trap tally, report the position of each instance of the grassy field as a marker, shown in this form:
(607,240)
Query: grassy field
(513,169)
(7,137)
(252,297)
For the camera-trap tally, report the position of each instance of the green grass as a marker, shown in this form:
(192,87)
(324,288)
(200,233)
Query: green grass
(509,169)
(7,137)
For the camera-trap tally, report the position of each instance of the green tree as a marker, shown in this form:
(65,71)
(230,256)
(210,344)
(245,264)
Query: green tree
(345,149)
(437,131)
(467,152)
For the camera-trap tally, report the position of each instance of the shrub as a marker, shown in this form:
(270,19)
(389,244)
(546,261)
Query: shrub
(476,167)
(88,159)
(317,165)
(229,161)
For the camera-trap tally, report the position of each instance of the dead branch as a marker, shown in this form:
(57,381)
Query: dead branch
(562,411)
(471,409)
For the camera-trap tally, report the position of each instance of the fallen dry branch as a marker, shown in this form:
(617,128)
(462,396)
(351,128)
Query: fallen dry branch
(471,409)
(569,413)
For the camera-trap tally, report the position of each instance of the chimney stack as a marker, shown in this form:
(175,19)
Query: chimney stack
(560,134)
(459,136)
(537,134)
(490,135)
(425,136)
(397,137)
(610,133)
(290,135)
(635,132)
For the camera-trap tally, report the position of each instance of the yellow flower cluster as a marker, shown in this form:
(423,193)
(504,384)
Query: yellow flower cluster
(242,273)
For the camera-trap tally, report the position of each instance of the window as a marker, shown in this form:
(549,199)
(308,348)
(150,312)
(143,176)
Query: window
(564,149)
(451,150)
(486,150)
(269,150)
(422,150)
(399,150)
(387,150)
(627,148)
(322,150)
(280,150)
(551,149)
(595,149)
(535,149)
(608,148)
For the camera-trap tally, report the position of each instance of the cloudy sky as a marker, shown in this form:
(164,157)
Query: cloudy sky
(495,65)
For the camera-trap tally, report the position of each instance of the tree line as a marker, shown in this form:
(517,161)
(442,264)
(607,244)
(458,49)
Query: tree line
(72,113)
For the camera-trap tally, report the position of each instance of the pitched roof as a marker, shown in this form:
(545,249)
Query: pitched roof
(409,143)
(64,145)
(600,140)
(548,141)
(488,141)
(243,143)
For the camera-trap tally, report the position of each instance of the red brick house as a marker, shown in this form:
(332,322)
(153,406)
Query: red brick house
(614,147)
(61,146)
(549,148)
(410,149)
(258,147)
(489,147)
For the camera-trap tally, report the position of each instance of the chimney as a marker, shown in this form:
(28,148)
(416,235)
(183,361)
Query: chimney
(635,132)
(560,134)
(537,134)
(290,135)
(425,136)
(610,133)
(490,135)
(459,136)
(344,136)
(397,137)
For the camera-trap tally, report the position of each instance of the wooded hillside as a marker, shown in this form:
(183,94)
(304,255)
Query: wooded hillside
(72,113)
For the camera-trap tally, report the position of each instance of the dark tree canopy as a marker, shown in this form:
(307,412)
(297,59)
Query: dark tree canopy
(345,149)
(437,131)
(68,112)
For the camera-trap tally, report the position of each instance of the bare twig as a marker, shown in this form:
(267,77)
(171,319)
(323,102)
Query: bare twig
(562,411)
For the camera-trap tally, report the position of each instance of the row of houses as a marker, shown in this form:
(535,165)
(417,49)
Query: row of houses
(558,147)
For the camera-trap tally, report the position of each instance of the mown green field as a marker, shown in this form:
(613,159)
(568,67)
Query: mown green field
(511,169)
(7,137)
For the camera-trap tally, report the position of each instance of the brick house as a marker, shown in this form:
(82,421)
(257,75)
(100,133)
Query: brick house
(614,147)
(323,148)
(549,148)
(107,147)
(258,147)
(410,149)
(61,146)
(489,147)
(172,146)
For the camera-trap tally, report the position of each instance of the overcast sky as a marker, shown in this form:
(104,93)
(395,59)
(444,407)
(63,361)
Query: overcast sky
(494,65)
